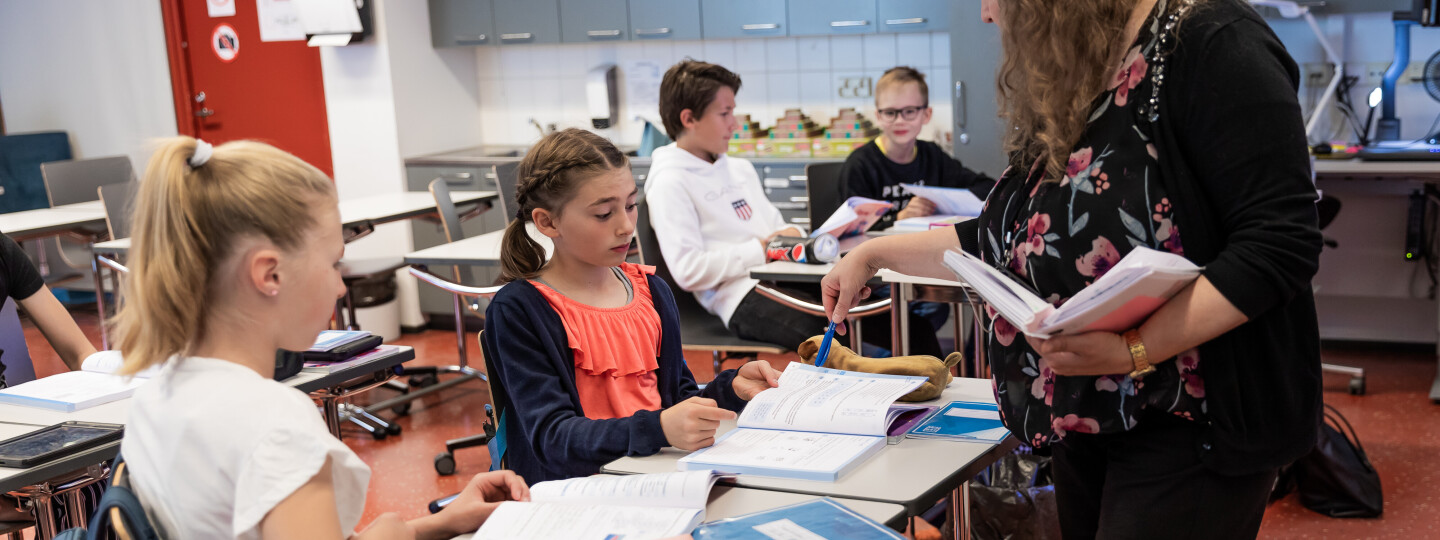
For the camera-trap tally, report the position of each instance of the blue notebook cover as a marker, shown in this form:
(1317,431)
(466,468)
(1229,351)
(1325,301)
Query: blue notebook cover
(821,518)
(963,420)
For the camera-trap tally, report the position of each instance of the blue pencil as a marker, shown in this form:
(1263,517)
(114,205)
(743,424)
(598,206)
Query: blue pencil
(824,353)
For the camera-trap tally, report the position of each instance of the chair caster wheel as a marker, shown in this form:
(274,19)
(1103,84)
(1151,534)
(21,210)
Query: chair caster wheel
(401,409)
(421,381)
(394,428)
(445,463)
(1357,387)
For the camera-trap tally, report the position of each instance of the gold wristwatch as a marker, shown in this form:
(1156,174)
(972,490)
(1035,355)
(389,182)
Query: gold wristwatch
(1138,356)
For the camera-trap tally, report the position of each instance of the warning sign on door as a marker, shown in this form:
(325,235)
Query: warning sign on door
(225,43)
(220,8)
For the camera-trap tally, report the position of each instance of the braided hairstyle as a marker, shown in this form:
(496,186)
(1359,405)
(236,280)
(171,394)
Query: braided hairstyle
(548,176)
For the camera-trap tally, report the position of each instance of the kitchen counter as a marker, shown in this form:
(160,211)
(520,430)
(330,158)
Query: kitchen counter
(492,154)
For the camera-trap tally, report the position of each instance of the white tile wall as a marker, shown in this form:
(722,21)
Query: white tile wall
(547,82)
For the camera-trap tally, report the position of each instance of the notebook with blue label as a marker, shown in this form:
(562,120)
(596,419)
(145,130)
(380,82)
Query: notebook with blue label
(823,518)
(963,420)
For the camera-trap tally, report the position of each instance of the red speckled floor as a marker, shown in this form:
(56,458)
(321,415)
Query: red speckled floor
(1396,421)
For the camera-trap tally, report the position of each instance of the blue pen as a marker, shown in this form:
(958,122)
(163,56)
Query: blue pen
(824,353)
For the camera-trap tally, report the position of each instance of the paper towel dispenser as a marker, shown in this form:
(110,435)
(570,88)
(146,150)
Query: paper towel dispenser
(603,96)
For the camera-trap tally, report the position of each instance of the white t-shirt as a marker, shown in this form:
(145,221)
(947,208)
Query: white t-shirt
(707,218)
(213,447)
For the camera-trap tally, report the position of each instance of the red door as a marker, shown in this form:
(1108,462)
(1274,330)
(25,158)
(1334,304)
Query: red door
(229,85)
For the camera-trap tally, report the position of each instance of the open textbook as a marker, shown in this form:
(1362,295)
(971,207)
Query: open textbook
(93,384)
(855,216)
(633,507)
(1119,300)
(818,424)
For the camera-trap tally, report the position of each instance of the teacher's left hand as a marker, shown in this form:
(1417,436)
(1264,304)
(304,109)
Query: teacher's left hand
(1091,353)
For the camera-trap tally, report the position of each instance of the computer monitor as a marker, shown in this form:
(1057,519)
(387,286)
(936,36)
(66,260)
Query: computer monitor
(15,364)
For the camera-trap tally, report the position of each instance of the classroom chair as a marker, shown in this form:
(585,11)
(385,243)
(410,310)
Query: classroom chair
(22,187)
(119,202)
(700,330)
(823,191)
(466,298)
(1327,208)
(119,515)
(506,180)
(491,431)
(78,181)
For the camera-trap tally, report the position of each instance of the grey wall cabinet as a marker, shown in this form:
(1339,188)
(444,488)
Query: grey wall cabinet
(527,21)
(460,23)
(583,21)
(665,19)
(743,18)
(974,55)
(919,15)
(823,17)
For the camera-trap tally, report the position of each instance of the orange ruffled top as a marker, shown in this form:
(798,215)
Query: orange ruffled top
(616,349)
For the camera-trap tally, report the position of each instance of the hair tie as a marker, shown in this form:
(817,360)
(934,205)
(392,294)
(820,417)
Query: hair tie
(520,214)
(203,151)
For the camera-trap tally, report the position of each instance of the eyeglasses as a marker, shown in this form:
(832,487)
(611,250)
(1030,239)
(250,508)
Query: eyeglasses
(908,113)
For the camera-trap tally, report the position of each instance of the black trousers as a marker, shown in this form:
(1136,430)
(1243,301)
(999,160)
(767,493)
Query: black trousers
(759,318)
(1149,483)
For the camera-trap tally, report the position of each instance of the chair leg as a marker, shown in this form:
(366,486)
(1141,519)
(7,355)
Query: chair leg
(719,361)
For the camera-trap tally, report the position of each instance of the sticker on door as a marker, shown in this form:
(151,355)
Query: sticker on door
(225,43)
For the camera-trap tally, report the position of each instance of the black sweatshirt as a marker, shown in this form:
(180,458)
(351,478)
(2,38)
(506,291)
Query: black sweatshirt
(18,277)
(1234,160)
(868,173)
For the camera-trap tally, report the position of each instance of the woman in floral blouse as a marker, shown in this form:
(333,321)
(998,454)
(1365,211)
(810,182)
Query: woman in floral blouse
(1173,125)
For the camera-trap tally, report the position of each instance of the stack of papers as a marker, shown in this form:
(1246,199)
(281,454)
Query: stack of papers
(948,201)
(636,507)
(1119,300)
(925,223)
(329,340)
(853,218)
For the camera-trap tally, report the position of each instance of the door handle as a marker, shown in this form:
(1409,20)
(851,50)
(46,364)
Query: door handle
(913,20)
(842,24)
(205,112)
(470,40)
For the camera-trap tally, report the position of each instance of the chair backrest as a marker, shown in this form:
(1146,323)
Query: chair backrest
(506,178)
(119,513)
(15,364)
(77,181)
(650,255)
(20,159)
(119,201)
(500,403)
(822,188)
(450,222)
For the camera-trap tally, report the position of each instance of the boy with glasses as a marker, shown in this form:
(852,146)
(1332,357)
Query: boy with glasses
(896,157)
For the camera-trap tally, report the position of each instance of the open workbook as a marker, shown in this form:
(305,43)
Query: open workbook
(1119,300)
(818,424)
(633,507)
(93,384)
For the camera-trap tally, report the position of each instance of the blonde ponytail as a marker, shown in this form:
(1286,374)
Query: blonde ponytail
(187,220)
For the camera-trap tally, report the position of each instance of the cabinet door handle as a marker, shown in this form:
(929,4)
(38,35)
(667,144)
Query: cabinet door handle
(800,199)
(842,24)
(652,32)
(766,26)
(912,20)
(521,35)
(602,33)
(467,40)
(799,178)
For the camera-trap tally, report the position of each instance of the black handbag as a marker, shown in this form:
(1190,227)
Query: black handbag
(1336,478)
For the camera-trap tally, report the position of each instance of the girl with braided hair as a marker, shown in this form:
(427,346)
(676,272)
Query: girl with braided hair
(585,346)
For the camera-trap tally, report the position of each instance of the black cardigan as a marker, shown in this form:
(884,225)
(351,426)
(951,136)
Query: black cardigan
(1234,159)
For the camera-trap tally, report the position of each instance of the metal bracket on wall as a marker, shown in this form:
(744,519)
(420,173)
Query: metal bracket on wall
(961,116)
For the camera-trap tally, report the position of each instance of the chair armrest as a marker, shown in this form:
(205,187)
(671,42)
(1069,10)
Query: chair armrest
(818,310)
(423,274)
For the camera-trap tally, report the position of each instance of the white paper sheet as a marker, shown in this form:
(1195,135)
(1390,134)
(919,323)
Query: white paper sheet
(671,490)
(949,201)
(788,450)
(558,521)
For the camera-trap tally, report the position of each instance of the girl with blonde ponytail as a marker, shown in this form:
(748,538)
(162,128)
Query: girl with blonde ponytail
(585,346)
(235,254)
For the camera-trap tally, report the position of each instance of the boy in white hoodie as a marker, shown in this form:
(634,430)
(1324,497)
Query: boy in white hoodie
(712,219)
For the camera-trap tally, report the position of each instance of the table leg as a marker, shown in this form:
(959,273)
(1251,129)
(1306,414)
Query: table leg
(43,511)
(460,331)
(857,339)
(957,325)
(331,406)
(960,511)
(95,268)
(900,294)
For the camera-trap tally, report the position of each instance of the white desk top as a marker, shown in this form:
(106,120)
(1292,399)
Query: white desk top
(397,206)
(20,420)
(732,501)
(377,209)
(914,473)
(49,221)
(891,276)
(812,273)
(483,250)
(1376,169)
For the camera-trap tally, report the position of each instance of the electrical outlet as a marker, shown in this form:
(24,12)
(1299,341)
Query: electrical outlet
(1317,74)
(1375,72)
(1414,74)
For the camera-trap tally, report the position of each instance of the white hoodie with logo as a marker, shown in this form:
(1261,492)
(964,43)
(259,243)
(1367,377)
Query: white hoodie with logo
(709,219)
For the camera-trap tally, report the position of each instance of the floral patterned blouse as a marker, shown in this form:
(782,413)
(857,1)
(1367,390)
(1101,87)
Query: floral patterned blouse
(1060,237)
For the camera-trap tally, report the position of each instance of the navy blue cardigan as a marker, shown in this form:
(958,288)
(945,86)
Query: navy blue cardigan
(546,434)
